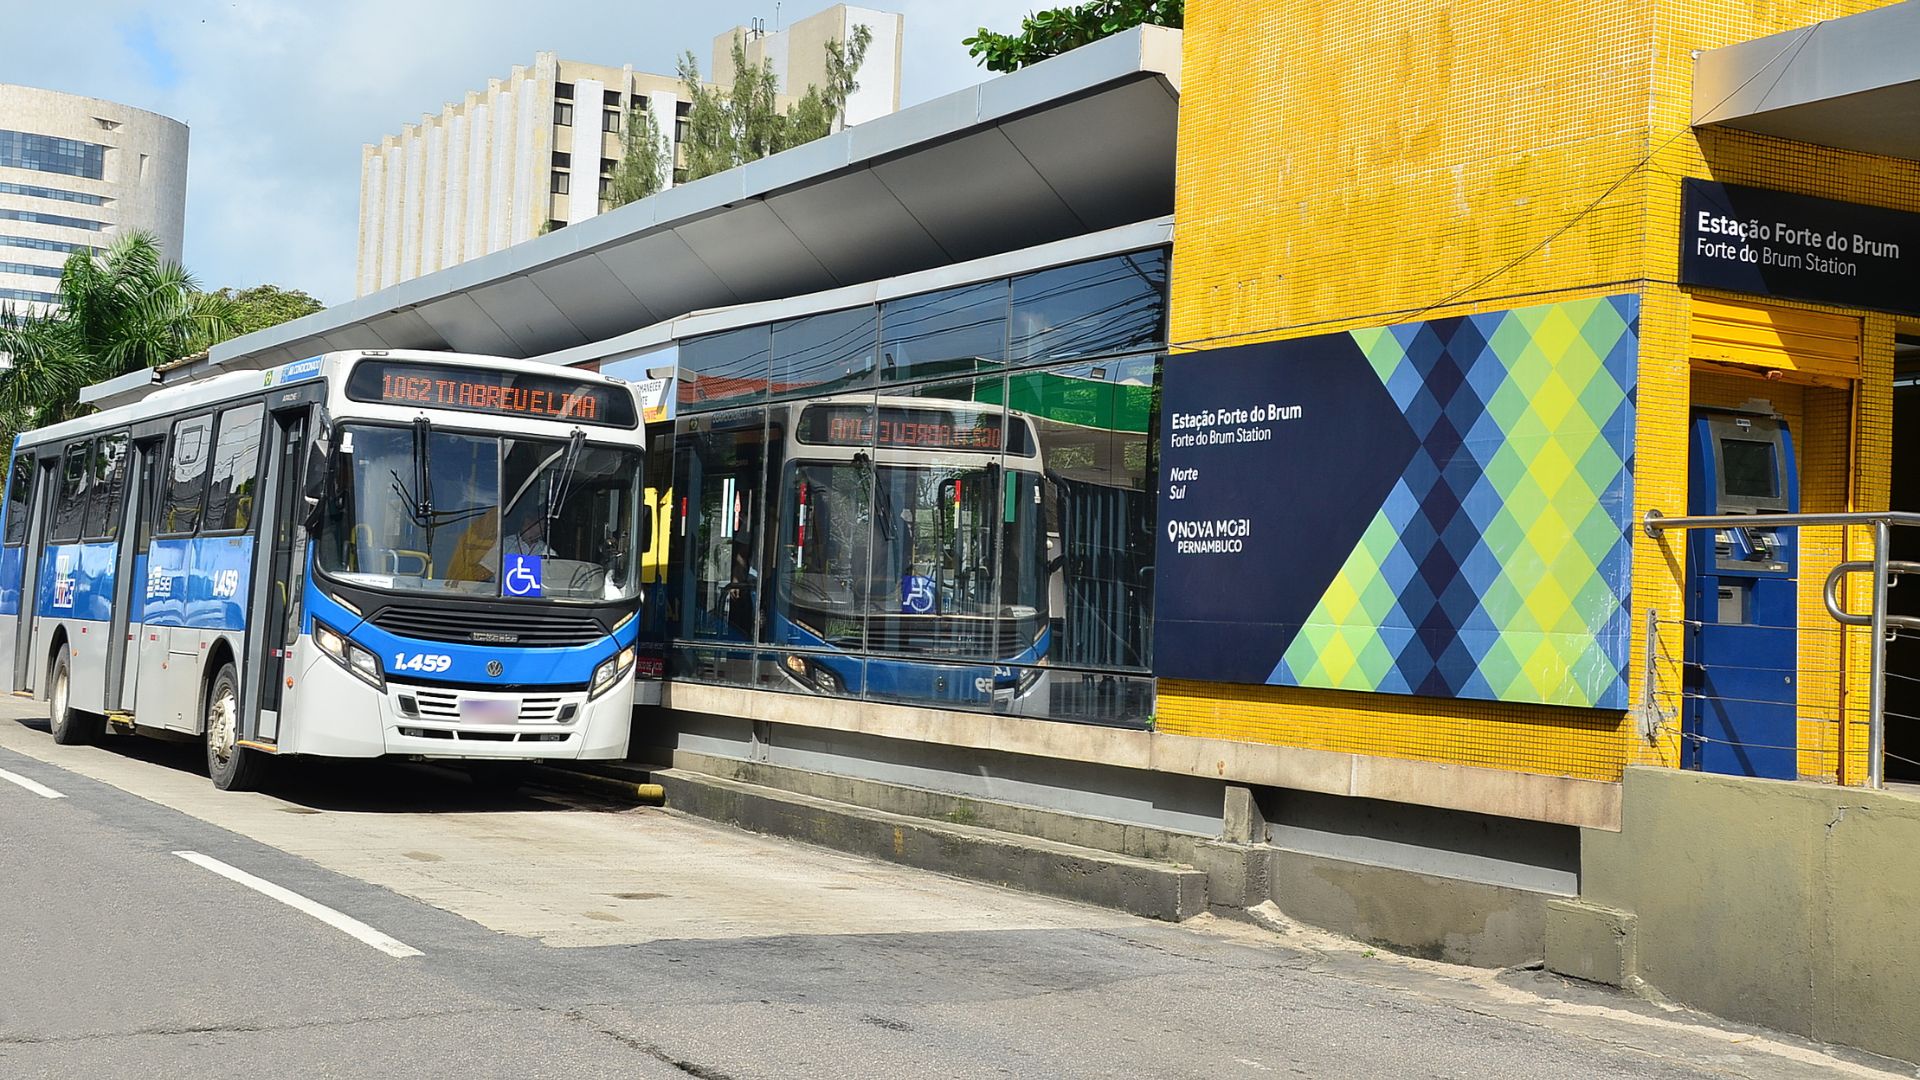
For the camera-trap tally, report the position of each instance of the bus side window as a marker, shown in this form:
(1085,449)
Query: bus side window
(236,464)
(186,474)
(76,468)
(19,487)
(150,453)
(109,484)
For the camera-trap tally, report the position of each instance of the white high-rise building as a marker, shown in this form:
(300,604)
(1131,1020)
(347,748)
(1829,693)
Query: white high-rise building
(798,55)
(74,173)
(533,151)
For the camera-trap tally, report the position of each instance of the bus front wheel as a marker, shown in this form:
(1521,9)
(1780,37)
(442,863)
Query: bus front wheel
(71,727)
(233,767)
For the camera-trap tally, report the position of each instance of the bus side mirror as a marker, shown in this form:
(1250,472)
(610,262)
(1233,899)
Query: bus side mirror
(314,486)
(646,526)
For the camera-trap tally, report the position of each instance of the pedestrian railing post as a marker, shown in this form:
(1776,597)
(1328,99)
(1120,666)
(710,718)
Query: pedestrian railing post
(1877,663)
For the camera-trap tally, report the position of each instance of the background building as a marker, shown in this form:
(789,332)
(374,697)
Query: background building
(75,172)
(534,151)
(798,55)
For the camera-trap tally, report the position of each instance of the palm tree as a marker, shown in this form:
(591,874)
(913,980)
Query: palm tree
(120,310)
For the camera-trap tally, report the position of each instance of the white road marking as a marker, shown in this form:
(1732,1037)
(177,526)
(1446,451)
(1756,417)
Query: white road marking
(346,924)
(37,788)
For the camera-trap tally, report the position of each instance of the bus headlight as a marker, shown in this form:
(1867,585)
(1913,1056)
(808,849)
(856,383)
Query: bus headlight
(610,672)
(362,663)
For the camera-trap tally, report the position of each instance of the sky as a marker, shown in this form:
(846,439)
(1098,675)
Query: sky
(280,95)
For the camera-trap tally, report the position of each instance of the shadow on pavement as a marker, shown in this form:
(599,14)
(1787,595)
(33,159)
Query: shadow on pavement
(377,786)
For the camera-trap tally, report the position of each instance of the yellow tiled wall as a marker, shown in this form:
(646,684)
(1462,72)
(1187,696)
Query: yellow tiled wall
(1344,166)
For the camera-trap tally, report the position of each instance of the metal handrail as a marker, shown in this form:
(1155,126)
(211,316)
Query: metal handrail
(1655,522)
(1895,569)
(1883,522)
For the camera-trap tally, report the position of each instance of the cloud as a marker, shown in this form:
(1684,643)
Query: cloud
(281,94)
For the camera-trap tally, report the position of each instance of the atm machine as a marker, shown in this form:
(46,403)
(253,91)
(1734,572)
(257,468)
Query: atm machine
(1741,715)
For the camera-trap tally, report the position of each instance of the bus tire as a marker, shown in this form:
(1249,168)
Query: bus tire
(233,767)
(71,727)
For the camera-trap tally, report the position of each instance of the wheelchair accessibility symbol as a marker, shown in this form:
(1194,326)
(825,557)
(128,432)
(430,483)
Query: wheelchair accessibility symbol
(523,576)
(917,595)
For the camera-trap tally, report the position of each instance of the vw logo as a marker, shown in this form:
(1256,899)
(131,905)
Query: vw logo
(495,667)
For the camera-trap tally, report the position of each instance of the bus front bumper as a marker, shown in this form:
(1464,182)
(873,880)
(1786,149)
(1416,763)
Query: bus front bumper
(341,716)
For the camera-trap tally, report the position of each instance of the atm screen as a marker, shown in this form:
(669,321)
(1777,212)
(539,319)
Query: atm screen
(1747,469)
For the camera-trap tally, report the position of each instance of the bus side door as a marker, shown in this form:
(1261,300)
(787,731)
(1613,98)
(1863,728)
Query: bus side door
(13,554)
(130,591)
(26,670)
(279,575)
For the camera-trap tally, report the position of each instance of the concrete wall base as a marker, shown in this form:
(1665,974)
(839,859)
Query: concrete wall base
(1497,922)
(1459,922)
(1779,903)
(1142,887)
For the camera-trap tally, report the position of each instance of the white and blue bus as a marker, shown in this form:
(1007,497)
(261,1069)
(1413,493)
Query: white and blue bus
(360,554)
(908,558)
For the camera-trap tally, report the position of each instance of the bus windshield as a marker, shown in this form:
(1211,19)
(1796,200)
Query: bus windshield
(428,510)
(943,559)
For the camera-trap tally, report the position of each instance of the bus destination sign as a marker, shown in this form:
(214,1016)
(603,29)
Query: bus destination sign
(905,428)
(497,393)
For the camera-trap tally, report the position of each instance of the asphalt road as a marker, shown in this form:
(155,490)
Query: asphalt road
(549,936)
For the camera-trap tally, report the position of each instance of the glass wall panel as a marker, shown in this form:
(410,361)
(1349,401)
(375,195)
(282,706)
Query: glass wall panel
(722,370)
(943,524)
(821,588)
(1091,308)
(1096,432)
(956,331)
(822,354)
(719,481)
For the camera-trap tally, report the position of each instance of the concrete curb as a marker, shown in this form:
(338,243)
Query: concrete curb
(1138,886)
(594,784)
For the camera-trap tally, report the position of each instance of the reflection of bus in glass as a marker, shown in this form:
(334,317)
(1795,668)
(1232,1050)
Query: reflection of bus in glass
(355,555)
(907,557)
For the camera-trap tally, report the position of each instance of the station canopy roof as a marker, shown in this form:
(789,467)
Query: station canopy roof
(1851,83)
(1078,143)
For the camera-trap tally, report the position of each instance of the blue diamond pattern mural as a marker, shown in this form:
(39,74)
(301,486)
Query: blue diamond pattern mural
(1495,561)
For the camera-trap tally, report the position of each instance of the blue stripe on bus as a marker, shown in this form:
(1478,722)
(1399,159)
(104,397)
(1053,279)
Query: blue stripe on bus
(201,581)
(466,663)
(932,679)
(13,564)
(76,581)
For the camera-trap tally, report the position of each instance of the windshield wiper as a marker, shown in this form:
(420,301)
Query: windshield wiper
(423,470)
(560,485)
(419,501)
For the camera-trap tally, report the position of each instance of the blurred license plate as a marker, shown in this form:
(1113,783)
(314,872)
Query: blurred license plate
(488,711)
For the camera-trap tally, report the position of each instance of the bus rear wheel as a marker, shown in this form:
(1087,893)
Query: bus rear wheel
(71,727)
(233,767)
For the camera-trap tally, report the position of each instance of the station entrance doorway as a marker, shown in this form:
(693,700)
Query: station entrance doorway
(1903,653)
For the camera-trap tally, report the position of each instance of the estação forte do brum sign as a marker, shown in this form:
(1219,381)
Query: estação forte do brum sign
(1771,243)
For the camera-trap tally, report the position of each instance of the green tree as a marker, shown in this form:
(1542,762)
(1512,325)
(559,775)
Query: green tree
(644,163)
(1052,32)
(730,126)
(266,305)
(120,310)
